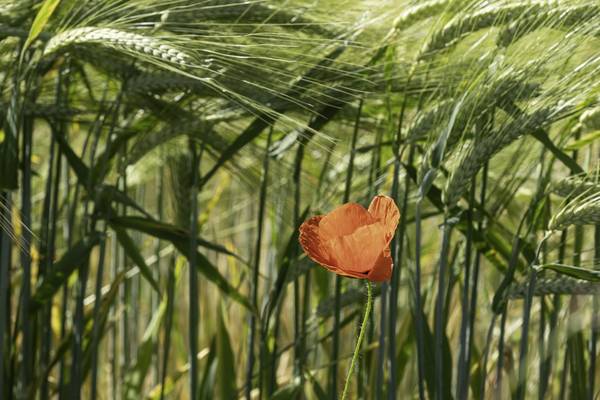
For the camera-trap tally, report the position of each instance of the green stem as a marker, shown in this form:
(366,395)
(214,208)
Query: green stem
(361,335)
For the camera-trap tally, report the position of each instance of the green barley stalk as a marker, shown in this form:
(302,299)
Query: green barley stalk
(194,311)
(128,42)
(582,210)
(490,15)
(474,157)
(255,273)
(577,185)
(559,17)
(595,323)
(5,319)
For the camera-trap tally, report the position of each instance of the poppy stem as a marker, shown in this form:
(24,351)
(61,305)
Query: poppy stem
(361,336)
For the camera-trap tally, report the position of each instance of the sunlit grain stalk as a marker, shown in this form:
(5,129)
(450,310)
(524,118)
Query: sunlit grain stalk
(552,323)
(418,308)
(486,353)
(68,233)
(193,299)
(5,334)
(375,167)
(501,343)
(155,300)
(393,129)
(51,238)
(542,329)
(168,325)
(136,281)
(462,364)
(595,322)
(45,264)
(439,320)
(91,220)
(53,209)
(298,328)
(575,341)
(524,343)
(564,374)
(27,367)
(114,355)
(398,253)
(476,267)
(76,377)
(274,356)
(306,306)
(89,225)
(516,246)
(95,344)
(397,244)
(529,218)
(125,322)
(255,272)
(500,303)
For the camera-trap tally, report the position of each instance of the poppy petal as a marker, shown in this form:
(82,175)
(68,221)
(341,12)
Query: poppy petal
(385,210)
(344,220)
(314,247)
(382,270)
(358,251)
(312,244)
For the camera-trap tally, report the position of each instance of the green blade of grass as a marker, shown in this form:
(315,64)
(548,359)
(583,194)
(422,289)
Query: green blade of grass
(62,270)
(226,388)
(132,251)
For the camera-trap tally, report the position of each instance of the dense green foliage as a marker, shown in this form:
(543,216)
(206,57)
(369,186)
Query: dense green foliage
(158,156)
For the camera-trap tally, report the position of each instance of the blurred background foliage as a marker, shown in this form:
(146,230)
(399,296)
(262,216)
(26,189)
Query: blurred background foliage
(157,157)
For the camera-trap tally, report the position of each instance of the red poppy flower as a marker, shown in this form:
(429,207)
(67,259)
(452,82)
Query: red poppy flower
(352,241)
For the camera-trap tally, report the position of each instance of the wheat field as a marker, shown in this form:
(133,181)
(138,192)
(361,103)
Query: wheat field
(158,157)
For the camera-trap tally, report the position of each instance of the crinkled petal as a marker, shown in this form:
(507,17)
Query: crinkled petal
(358,251)
(313,245)
(384,209)
(382,270)
(344,220)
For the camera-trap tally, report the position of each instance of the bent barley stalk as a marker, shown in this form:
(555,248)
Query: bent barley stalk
(583,210)
(504,89)
(482,150)
(119,40)
(557,18)
(553,286)
(492,15)
(576,185)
